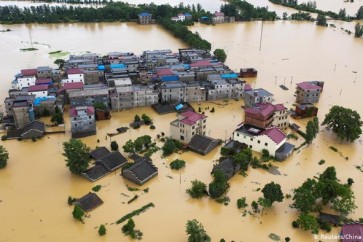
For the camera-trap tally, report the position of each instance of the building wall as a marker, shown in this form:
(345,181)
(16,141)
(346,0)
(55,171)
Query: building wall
(184,132)
(89,100)
(307,96)
(22,116)
(91,77)
(44,74)
(39,94)
(252,100)
(257,143)
(25,82)
(83,122)
(260,123)
(76,78)
(172,94)
(281,119)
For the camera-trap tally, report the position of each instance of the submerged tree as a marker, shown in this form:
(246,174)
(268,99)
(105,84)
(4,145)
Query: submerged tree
(345,122)
(78,213)
(77,155)
(4,157)
(272,192)
(198,189)
(196,232)
(219,185)
(321,20)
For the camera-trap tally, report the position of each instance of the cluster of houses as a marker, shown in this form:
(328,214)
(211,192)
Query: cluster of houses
(118,81)
(216,18)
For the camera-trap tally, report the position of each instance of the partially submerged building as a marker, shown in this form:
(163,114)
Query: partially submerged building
(271,139)
(187,125)
(202,144)
(89,202)
(257,96)
(140,172)
(83,121)
(307,92)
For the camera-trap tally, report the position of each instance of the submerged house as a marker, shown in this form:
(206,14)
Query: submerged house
(89,202)
(202,144)
(34,129)
(227,166)
(141,171)
(106,162)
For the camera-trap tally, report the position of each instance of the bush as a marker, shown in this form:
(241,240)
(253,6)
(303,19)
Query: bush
(147,120)
(241,203)
(4,137)
(321,162)
(78,213)
(212,110)
(96,188)
(198,189)
(114,146)
(152,126)
(136,126)
(177,164)
(350,181)
(325,226)
(34,139)
(295,224)
(102,230)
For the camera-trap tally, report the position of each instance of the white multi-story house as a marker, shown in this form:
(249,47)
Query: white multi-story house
(26,78)
(271,139)
(74,75)
(38,90)
(187,125)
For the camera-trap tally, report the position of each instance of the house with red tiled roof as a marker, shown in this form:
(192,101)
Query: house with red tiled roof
(83,122)
(26,78)
(352,232)
(74,75)
(307,92)
(267,115)
(187,125)
(271,139)
(38,90)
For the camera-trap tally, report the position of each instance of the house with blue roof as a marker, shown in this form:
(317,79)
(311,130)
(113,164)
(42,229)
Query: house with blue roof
(145,18)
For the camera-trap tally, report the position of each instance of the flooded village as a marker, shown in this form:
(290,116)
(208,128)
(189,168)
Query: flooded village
(130,80)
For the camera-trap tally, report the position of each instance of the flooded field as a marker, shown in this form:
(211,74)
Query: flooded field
(36,183)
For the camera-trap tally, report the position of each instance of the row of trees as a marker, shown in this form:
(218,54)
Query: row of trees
(311,7)
(118,11)
(244,11)
(180,30)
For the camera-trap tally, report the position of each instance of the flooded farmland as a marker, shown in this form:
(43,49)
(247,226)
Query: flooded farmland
(35,185)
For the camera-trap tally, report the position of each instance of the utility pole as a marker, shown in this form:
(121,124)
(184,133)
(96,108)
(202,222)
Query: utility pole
(261,34)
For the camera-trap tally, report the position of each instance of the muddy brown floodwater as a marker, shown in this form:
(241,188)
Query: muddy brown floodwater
(35,185)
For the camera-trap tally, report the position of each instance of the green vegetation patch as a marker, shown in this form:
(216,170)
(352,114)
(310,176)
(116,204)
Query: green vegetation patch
(28,49)
(58,54)
(135,213)
(96,188)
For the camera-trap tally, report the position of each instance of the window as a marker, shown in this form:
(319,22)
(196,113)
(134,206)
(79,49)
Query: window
(203,126)
(181,137)
(193,133)
(237,134)
(258,141)
(266,144)
(251,139)
(89,117)
(250,146)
